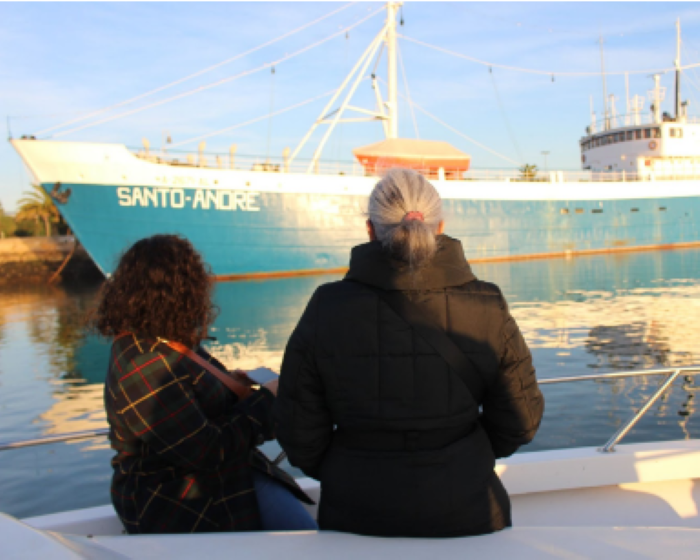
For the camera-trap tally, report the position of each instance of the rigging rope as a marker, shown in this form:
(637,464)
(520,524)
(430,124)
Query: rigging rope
(198,73)
(408,92)
(457,132)
(501,108)
(687,49)
(252,121)
(219,82)
(272,108)
(541,72)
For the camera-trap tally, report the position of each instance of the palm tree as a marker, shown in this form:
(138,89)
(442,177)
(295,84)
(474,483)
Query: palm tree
(528,172)
(37,205)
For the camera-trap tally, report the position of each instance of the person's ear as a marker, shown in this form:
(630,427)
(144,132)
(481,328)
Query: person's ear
(370,231)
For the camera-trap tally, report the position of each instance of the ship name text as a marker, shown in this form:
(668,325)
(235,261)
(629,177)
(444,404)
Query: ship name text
(206,199)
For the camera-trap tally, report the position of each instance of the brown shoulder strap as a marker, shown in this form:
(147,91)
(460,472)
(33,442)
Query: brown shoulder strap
(243,391)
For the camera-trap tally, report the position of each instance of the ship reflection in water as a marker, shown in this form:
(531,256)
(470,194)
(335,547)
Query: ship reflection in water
(579,316)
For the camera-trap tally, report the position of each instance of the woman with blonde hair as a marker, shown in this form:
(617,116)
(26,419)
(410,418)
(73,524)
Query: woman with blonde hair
(404,382)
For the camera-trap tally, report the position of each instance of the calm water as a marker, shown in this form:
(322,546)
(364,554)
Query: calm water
(581,315)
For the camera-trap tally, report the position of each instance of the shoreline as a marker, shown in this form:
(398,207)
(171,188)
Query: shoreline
(35,260)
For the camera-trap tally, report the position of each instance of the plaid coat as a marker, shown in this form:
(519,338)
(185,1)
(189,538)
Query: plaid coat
(185,444)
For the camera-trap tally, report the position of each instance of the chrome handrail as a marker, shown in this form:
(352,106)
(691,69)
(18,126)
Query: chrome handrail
(609,446)
(58,438)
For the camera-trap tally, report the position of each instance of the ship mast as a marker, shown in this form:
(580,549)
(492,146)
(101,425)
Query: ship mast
(332,117)
(606,122)
(678,69)
(392,78)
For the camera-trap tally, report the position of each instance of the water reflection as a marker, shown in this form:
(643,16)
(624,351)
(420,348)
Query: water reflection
(634,311)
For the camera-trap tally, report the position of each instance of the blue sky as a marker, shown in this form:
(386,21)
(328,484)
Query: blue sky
(61,60)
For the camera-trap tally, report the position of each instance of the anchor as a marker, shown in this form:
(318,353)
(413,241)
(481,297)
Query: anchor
(60,197)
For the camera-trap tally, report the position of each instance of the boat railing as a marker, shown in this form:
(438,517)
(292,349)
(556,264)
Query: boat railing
(608,447)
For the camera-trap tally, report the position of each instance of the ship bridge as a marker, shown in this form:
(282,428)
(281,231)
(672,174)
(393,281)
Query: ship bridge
(662,150)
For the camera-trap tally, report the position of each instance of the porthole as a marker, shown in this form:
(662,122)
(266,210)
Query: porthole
(579,210)
(564,210)
(662,209)
(634,210)
(597,210)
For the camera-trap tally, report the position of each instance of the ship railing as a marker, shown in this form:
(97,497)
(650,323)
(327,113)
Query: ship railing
(355,169)
(633,119)
(213,160)
(670,375)
(620,121)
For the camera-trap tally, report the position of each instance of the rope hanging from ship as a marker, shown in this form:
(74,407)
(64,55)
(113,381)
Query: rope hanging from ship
(219,82)
(199,72)
(273,64)
(542,72)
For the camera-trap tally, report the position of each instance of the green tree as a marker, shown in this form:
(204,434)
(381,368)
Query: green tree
(37,205)
(7,224)
(528,172)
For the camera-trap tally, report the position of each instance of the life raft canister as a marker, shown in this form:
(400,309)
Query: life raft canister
(652,145)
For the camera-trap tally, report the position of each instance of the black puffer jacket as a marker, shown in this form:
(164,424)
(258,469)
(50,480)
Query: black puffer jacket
(374,413)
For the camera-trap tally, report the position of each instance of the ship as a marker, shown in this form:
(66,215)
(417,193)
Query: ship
(637,189)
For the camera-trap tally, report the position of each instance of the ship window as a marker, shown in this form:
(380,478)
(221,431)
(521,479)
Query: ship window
(679,132)
(647,133)
(579,210)
(630,135)
(638,134)
(621,137)
(597,211)
(662,209)
(634,210)
(657,132)
(672,132)
(564,210)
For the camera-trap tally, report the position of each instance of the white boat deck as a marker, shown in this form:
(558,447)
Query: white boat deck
(642,501)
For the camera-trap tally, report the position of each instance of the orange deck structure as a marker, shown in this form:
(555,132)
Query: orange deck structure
(425,156)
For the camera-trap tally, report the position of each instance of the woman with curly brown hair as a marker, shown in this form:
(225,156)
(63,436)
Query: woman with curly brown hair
(186,442)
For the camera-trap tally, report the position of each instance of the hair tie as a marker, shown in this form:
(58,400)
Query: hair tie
(413,215)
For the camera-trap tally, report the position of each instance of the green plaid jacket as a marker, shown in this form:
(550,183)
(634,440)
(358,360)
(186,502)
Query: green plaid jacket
(185,444)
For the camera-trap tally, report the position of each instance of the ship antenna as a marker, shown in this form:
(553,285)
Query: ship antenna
(393,123)
(678,69)
(606,121)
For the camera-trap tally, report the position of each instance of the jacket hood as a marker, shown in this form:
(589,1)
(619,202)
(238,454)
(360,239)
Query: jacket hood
(371,264)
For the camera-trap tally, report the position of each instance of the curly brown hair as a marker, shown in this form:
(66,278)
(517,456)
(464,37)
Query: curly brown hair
(161,288)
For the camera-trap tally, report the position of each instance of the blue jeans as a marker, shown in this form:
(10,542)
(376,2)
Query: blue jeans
(280,510)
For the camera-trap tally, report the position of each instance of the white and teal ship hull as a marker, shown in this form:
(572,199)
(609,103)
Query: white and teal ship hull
(249,223)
